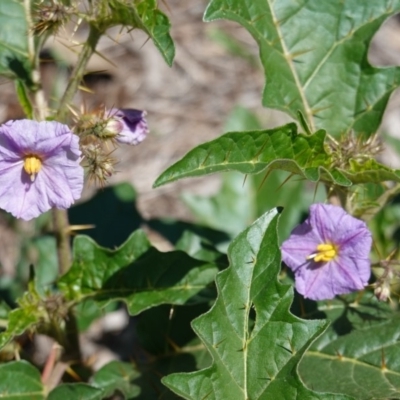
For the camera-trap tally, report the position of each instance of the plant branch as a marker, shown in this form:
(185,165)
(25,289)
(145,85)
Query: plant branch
(61,229)
(37,90)
(77,74)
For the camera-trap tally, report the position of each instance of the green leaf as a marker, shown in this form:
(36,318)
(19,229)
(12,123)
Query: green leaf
(280,148)
(23,318)
(136,273)
(115,376)
(145,15)
(14,59)
(364,364)
(314,55)
(19,380)
(74,391)
(255,342)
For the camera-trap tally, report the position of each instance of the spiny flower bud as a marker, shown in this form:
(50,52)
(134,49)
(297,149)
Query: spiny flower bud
(349,147)
(99,165)
(50,16)
(125,126)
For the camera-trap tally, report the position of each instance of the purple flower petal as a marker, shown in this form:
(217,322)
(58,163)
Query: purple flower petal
(348,271)
(59,181)
(131,127)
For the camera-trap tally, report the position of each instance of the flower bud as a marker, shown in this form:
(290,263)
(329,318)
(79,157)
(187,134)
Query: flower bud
(129,125)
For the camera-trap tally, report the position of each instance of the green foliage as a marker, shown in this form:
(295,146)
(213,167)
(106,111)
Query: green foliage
(315,58)
(241,200)
(27,316)
(136,273)
(145,15)
(364,363)
(357,354)
(280,148)
(250,313)
(116,376)
(14,58)
(73,391)
(19,380)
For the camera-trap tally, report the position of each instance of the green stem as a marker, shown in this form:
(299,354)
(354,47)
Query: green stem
(60,217)
(61,229)
(77,74)
(33,53)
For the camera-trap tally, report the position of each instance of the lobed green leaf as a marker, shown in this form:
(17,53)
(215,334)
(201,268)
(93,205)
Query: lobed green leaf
(137,274)
(255,342)
(145,15)
(280,148)
(315,57)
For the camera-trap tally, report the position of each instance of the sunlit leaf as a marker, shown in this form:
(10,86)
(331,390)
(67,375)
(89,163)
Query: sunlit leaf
(315,58)
(280,148)
(254,341)
(145,15)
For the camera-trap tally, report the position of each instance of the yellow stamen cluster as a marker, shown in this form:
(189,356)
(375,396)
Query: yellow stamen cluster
(32,165)
(325,252)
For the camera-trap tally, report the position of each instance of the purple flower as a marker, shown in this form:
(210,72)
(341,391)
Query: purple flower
(129,125)
(39,167)
(328,253)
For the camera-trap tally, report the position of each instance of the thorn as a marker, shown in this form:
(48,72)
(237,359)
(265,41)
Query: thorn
(286,180)
(74,228)
(244,180)
(264,179)
(171,312)
(218,343)
(285,348)
(340,356)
